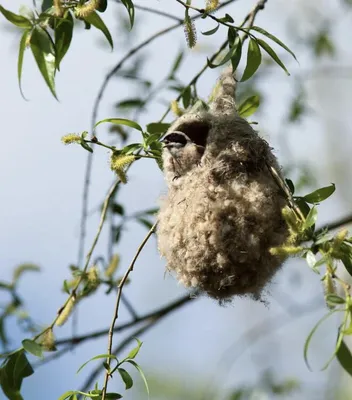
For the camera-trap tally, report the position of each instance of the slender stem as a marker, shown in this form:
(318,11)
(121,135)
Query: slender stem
(89,255)
(203,12)
(164,310)
(335,224)
(116,311)
(157,12)
(250,18)
(195,78)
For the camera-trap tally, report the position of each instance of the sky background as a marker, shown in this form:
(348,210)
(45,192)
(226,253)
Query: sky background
(41,195)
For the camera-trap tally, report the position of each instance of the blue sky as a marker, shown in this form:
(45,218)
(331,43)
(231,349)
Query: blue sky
(41,187)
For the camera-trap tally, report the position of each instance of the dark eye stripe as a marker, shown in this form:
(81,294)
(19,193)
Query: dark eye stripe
(175,138)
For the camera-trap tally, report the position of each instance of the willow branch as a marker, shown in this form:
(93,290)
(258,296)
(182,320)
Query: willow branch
(156,12)
(116,311)
(335,224)
(117,350)
(161,312)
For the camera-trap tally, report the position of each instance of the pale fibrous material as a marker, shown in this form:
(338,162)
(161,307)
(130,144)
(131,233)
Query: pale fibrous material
(223,210)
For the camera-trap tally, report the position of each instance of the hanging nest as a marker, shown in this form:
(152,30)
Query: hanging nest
(223,210)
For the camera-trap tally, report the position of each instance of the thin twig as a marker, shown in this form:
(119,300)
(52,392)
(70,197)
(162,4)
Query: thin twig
(160,312)
(335,224)
(153,11)
(149,317)
(73,294)
(250,18)
(195,78)
(116,311)
(125,342)
(257,332)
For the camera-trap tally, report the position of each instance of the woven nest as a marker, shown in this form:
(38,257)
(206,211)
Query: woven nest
(223,213)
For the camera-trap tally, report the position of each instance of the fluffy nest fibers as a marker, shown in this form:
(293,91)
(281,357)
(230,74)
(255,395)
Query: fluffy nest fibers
(223,210)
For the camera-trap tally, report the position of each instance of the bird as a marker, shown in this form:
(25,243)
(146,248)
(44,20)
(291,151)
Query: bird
(222,212)
(181,154)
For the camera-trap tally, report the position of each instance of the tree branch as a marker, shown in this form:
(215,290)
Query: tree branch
(116,311)
(335,224)
(161,312)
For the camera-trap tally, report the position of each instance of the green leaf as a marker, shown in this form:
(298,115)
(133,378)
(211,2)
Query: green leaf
(211,31)
(21,269)
(120,121)
(272,54)
(312,332)
(10,393)
(22,48)
(130,9)
(113,396)
(15,370)
(274,39)
(131,148)
(303,206)
(176,65)
(227,18)
(86,146)
(46,4)
(311,260)
(26,12)
(334,299)
(249,106)
(32,347)
(230,54)
(139,369)
(236,58)
(94,19)
(129,103)
(126,377)
(132,354)
(158,127)
(320,195)
(154,137)
(103,5)
(15,19)
(186,97)
(145,222)
(346,257)
(67,395)
(322,44)
(290,185)
(311,218)
(63,37)
(44,54)
(254,59)
(345,357)
(96,358)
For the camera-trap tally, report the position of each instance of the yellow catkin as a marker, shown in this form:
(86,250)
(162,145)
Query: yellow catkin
(48,340)
(65,312)
(339,238)
(112,267)
(86,9)
(71,138)
(211,5)
(119,162)
(92,275)
(190,32)
(286,250)
(329,287)
(59,10)
(175,108)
